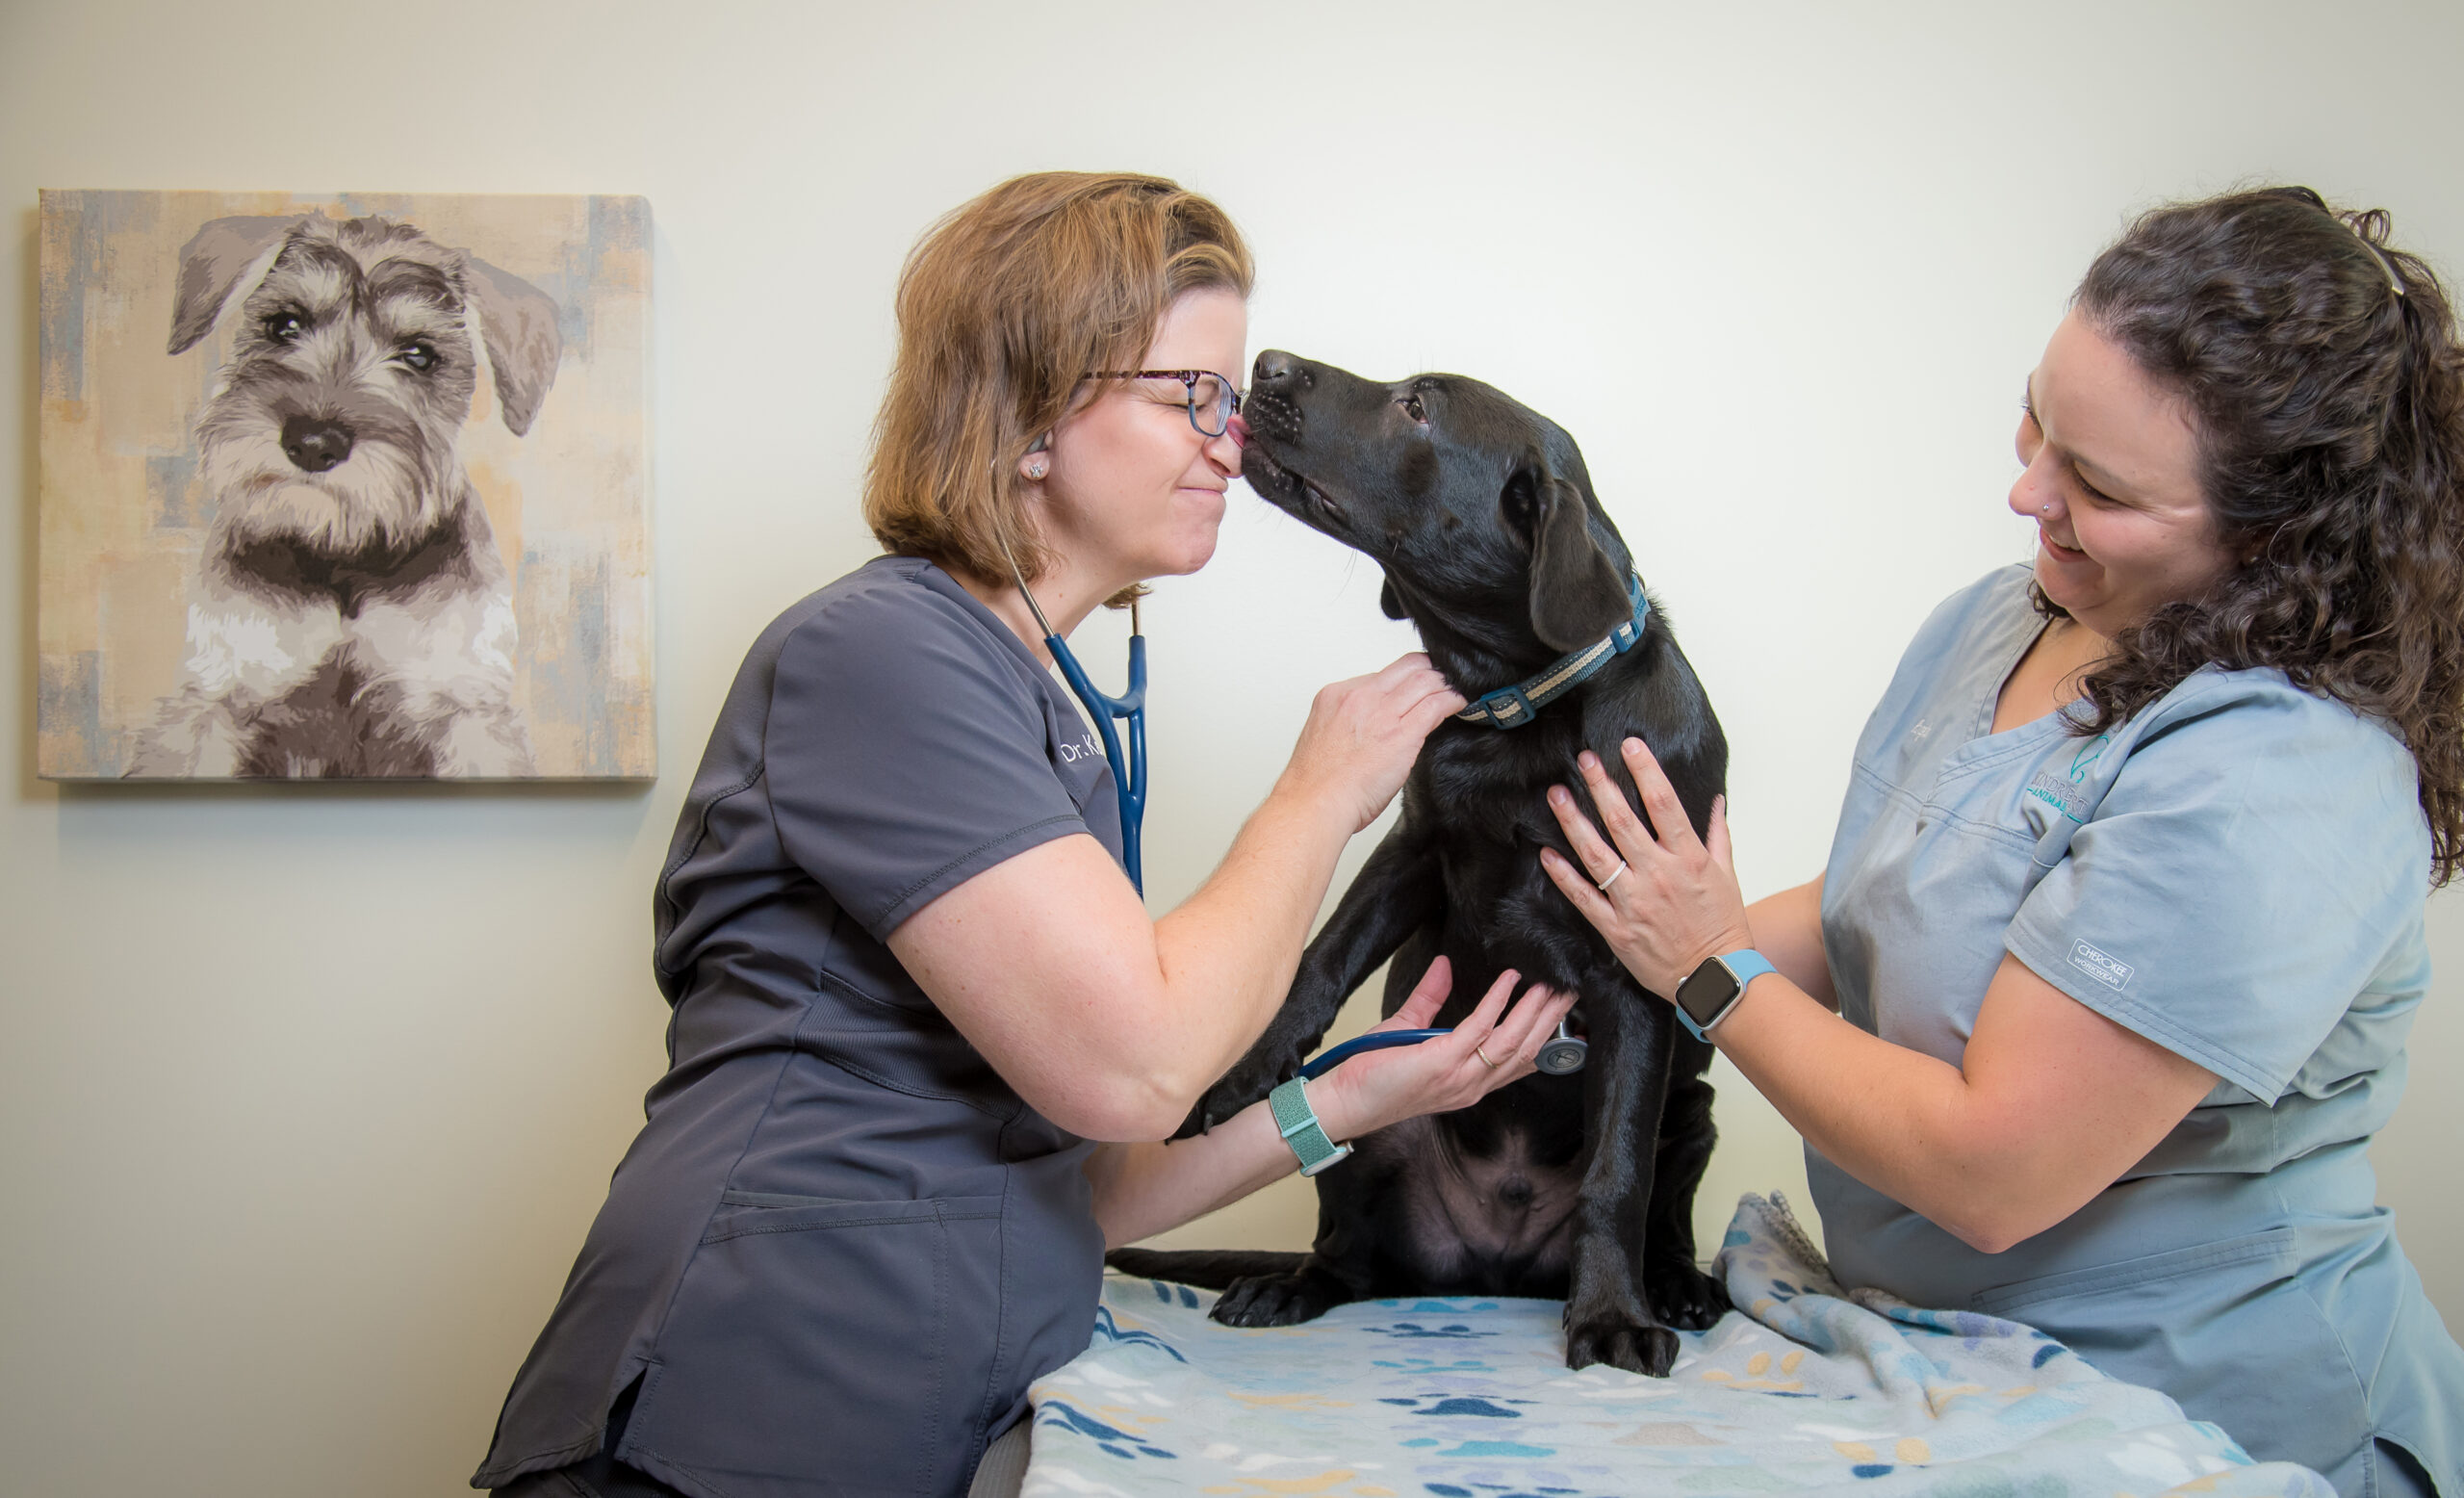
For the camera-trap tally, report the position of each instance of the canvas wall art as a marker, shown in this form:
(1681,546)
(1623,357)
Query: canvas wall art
(343,487)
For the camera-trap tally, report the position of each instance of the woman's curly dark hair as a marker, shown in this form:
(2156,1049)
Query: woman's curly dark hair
(2329,388)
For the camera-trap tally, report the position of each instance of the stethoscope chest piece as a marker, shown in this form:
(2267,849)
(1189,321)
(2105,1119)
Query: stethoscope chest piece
(1564,1054)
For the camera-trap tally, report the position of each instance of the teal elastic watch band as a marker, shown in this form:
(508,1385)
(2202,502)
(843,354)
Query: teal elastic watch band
(1710,991)
(1299,1124)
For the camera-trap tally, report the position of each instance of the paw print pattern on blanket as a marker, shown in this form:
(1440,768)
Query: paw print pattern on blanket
(1456,1405)
(1804,1389)
(1416,1330)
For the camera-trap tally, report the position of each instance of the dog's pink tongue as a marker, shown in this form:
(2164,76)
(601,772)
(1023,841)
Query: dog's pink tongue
(1239,430)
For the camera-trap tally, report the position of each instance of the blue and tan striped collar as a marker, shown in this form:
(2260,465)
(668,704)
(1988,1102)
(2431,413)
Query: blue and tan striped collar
(1512,707)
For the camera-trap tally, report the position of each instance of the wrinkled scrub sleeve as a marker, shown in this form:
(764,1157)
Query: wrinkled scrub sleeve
(2232,892)
(906,753)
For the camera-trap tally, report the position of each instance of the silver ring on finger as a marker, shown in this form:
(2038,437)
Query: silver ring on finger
(1618,873)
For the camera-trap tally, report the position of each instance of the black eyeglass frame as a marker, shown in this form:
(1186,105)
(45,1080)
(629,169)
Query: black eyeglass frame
(1189,379)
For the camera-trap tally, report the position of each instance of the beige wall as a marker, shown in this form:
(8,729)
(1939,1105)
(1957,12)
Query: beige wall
(306,1097)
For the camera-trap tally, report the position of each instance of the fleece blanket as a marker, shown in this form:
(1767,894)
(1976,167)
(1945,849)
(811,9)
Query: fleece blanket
(1804,1388)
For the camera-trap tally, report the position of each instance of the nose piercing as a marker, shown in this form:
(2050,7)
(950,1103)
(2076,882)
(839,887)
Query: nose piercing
(2046,508)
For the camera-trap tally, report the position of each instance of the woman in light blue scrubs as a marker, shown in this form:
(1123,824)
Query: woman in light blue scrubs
(2123,926)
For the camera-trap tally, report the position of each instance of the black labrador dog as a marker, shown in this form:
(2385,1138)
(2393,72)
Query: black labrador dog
(1580,1187)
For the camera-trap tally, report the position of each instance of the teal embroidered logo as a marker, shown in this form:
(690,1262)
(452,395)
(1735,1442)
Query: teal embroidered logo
(2054,788)
(2110,972)
(2084,763)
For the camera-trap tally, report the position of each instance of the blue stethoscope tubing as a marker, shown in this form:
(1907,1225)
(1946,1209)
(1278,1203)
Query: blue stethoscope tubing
(1563,1055)
(1328,1060)
(1131,790)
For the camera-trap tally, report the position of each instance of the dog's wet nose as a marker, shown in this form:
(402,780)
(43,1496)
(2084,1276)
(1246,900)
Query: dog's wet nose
(1278,371)
(314,444)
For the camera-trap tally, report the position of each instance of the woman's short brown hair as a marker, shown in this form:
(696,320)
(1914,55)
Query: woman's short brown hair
(1003,308)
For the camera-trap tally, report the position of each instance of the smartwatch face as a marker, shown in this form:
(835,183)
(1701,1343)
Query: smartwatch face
(1707,990)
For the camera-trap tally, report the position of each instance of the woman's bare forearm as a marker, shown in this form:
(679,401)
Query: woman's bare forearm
(1144,1189)
(1107,1022)
(1787,929)
(1227,954)
(2050,1104)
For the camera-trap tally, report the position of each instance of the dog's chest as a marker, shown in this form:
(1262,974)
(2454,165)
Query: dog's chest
(288,575)
(341,721)
(1479,802)
(1497,1216)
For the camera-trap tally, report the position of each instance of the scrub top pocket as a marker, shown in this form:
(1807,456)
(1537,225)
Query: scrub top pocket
(835,1328)
(2219,1327)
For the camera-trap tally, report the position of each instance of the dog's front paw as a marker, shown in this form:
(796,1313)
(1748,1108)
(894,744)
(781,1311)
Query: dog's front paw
(1621,1341)
(1278,1299)
(1254,1075)
(1682,1293)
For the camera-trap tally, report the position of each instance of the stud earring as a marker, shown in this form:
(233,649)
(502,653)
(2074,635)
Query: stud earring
(1035,470)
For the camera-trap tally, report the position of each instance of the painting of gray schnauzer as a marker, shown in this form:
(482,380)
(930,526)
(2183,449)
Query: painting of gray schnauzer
(368,503)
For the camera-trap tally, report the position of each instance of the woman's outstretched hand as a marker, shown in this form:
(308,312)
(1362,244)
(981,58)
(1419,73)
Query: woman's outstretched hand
(1675,901)
(1364,734)
(1494,1045)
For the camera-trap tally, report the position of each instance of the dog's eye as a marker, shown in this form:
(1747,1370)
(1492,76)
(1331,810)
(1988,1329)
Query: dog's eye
(284,326)
(419,356)
(1413,408)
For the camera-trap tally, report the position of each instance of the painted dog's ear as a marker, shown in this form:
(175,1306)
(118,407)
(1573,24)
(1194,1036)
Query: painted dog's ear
(1390,604)
(518,324)
(210,264)
(1577,594)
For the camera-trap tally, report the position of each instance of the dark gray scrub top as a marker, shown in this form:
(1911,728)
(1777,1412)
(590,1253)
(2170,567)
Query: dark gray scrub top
(842,1247)
(2237,874)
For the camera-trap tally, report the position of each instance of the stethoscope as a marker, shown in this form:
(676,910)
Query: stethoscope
(1562,1055)
(1131,705)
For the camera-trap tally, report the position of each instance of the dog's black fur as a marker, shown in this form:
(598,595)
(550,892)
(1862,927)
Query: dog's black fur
(1578,1187)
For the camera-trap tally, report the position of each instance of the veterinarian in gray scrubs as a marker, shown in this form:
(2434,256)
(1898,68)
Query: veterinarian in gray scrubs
(2123,922)
(911,984)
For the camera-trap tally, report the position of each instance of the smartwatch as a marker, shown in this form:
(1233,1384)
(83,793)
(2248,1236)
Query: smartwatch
(1298,1123)
(1710,991)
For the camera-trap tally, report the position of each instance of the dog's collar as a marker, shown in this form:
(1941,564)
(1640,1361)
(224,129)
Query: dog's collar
(1512,707)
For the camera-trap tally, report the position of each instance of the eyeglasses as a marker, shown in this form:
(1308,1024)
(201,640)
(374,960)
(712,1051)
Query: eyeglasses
(1212,401)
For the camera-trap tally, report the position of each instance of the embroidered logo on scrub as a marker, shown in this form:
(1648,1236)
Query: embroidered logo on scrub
(2055,789)
(1086,747)
(2110,972)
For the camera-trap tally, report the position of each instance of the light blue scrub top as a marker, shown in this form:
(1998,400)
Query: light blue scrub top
(2237,874)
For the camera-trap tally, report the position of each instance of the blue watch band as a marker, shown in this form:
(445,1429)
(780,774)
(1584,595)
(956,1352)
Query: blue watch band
(1743,966)
(1299,1124)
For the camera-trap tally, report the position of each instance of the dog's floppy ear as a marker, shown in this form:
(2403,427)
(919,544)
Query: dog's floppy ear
(1578,595)
(210,264)
(518,322)
(1389,604)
